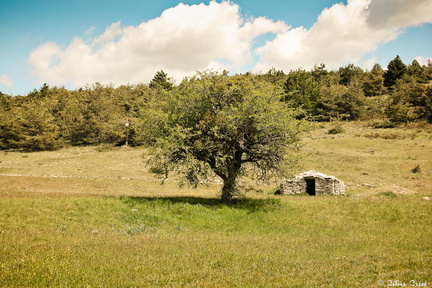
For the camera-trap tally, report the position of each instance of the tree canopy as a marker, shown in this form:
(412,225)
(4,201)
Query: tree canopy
(302,90)
(396,69)
(161,80)
(230,126)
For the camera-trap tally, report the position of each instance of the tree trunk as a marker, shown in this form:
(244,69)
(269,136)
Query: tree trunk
(228,189)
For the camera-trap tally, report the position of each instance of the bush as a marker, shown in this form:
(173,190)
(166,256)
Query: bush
(416,169)
(337,129)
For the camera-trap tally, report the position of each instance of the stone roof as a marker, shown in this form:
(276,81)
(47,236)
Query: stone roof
(315,174)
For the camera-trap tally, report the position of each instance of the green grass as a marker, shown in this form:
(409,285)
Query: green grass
(189,242)
(83,218)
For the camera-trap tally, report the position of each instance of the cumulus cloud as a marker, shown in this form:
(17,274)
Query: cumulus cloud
(181,41)
(397,14)
(422,60)
(343,33)
(6,81)
(187,38)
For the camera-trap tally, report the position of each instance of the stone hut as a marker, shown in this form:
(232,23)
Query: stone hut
(312,183)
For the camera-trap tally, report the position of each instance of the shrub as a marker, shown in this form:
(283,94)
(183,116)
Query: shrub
(337,129)
(416,169)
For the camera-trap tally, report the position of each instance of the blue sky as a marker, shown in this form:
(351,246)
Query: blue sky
(71,43)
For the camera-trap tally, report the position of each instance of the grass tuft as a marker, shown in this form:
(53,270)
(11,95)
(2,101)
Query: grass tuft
(388,194)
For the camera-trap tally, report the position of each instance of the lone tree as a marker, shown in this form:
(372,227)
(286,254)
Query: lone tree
(231,126)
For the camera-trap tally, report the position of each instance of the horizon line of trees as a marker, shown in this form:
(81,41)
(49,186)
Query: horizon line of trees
(54,117)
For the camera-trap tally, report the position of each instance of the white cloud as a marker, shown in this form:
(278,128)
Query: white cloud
(422,60)
(397,14)
(181,41)
(369,63)
(6,81)
(343,34)
(184,39)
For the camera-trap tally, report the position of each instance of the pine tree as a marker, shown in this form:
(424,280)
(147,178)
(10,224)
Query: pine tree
(373,84)
(161,80)
(396,69)
(302,91)
(417,71)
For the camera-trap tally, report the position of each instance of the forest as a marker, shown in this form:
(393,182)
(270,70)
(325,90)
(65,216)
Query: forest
(50,118)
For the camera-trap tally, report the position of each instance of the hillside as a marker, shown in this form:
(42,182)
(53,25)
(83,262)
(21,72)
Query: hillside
(367,160)
(94,217)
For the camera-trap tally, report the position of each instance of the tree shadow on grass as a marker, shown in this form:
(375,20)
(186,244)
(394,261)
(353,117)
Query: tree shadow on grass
(251,205)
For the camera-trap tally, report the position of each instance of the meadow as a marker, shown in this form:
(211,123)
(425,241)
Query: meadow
(94,216)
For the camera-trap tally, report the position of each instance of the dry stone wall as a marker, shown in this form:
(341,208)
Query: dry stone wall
(313,183)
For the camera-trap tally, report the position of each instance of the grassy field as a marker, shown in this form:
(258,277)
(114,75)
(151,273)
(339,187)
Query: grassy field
(94,217)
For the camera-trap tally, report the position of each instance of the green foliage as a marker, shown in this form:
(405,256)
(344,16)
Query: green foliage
(342,102)
(53,117)
(319,72)
(349,74)
(373,83)
(276,77)
(6,116)
(326,96)
(409,101)
(428,69)
(34,128)
(337,129)
(153,116)
(230,126)
(161,80)
(302,91)
(417,71)
(97,120)
(396,69)
(427,107)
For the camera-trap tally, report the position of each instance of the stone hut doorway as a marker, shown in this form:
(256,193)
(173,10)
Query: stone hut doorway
(310,186)
(312,183)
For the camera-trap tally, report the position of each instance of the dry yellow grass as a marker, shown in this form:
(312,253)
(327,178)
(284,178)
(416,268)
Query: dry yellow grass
(368,160)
